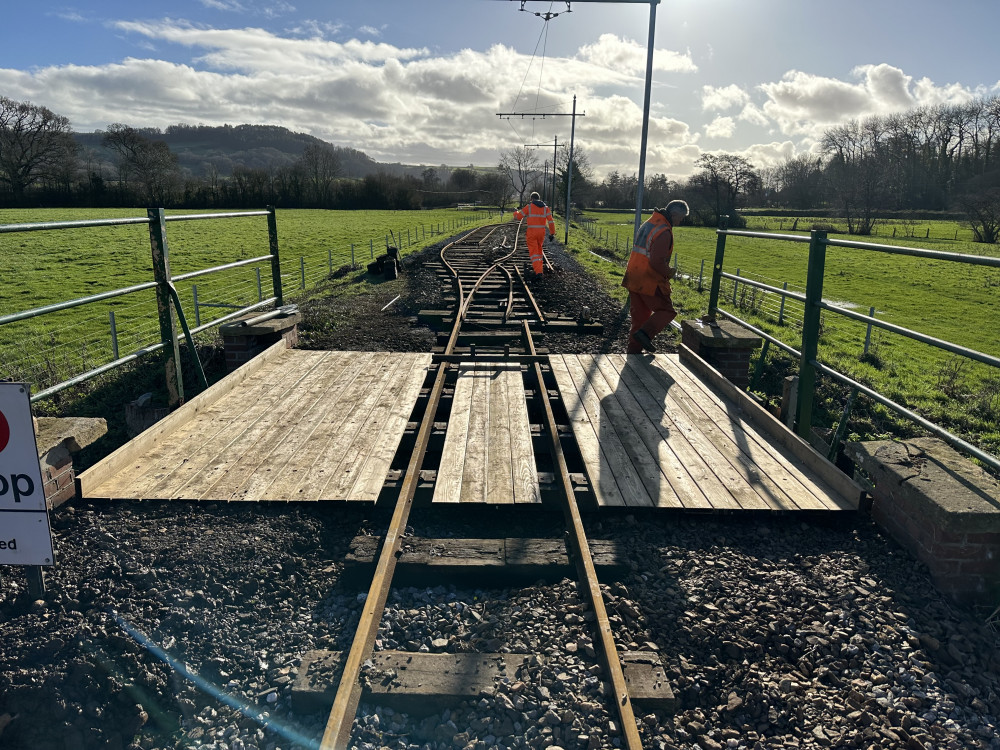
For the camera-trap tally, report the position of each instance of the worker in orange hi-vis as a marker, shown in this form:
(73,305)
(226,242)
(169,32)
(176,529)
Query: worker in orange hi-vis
(647,276)
(539,218)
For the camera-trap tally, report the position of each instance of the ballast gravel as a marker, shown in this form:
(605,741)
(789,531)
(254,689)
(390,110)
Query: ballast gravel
(182,625)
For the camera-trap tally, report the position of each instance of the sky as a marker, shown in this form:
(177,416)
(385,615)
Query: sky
(423,82)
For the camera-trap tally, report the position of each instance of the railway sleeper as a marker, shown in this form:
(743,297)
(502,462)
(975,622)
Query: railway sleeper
(427,683)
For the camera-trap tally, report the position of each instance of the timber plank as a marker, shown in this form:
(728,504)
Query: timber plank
(120,459)
(175,448)
(340,433)
(245,454)
(219,445)
(411,681)
(477,447)
(813,471)
(774,479)
(355,452)
(655,403)
(605,488)
(499,464)
(448,486)
(679,465)
(289,479)
(645,455)
(525,473)
(300,431)
(371,476)
(618,464)
(698,432)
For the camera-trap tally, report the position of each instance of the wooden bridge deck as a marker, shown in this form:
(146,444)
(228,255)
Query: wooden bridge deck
(487,454)
(652,433)
(305,425)
(308,425)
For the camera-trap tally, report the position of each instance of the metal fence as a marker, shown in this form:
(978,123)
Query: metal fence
(810,301)
(169,309)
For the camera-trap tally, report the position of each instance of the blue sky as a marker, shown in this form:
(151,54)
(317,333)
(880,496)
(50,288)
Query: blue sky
(421,82)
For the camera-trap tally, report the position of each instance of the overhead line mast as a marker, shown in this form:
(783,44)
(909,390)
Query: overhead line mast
(572,135)
(648,88)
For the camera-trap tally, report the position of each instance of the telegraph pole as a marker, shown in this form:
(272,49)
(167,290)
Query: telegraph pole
(569,175)
(648,87)
(555,151)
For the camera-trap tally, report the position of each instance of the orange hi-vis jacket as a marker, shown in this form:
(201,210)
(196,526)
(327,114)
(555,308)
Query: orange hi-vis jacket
(537,215)
(654,243)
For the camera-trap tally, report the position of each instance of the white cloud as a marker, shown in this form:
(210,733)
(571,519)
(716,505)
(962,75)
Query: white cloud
(721,99)
(229,5)
(720,127)
(370,31)
(806,104)
(629,57)
(751,113)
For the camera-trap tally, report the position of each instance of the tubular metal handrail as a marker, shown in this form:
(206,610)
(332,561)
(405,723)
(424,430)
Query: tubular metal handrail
(164,285)
(814,304)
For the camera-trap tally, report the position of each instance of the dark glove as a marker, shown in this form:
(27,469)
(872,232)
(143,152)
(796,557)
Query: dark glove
(552,238)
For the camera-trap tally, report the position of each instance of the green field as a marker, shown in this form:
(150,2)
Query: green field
(46,267)
(952,301)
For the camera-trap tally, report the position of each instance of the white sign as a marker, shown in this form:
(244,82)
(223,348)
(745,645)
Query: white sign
(25,537)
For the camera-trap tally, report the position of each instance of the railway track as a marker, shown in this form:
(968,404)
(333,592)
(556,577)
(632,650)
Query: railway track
(494,323)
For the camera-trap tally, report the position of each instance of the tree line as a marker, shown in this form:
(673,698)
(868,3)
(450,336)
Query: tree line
(939,158)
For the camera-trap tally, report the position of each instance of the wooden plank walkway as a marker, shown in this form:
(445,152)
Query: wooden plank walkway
(487,455)
(652,433)
(305,425)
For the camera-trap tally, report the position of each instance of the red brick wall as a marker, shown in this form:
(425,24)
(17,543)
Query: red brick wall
(963,565)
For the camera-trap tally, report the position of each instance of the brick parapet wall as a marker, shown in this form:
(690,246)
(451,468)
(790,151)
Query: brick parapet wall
(726,346)
(942,509)
(243,343)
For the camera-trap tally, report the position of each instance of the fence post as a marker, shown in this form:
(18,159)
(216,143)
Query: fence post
(720,255)
(868,333)
(197,311)
(272,237)
(168,331)
(302,267)
(329,259)
(781,308)
(810,332)
(260,290)
(353,264)
(736,286)
(371,248)
(701,275)
(114,335)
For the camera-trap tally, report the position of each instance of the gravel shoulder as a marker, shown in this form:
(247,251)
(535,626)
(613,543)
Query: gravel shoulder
(177,625)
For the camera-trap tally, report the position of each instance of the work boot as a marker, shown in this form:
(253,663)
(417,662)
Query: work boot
(643,338)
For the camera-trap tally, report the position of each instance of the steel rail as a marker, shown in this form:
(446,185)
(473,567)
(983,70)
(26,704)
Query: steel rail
(337,733)
(586,570)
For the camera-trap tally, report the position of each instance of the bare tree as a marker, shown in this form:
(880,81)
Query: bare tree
(150,164)
(722,180)
(497,189)
(858,171)
(800,181)
(981,203)
(321,166)
(35,144)
(520,167)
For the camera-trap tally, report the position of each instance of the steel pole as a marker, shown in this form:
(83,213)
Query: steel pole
(645,117)
(569,169)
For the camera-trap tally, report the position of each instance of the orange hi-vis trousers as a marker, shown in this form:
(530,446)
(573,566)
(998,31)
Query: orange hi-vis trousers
(536,238)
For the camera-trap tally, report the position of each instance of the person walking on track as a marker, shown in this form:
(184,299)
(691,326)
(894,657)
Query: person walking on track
(648,274)
(539,218)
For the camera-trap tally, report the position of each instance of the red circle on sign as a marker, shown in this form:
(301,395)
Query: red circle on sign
(4,431)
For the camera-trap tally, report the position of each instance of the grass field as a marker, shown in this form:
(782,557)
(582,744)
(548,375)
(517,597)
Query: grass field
(952,301)
(45,267)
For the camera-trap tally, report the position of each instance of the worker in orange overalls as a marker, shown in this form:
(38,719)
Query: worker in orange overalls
(538,216)
(648,274)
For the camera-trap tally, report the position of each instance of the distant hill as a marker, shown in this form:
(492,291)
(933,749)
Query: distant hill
(201,147)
